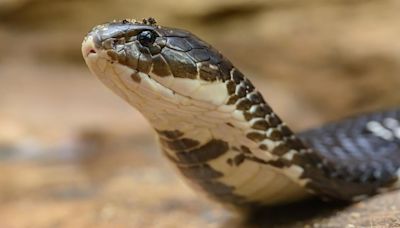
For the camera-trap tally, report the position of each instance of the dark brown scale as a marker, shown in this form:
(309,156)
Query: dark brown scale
(285,131)
(225,68)
(179,44)
(229,124)
(247,115)
(176,33)
(262,110)
(136,78)
(199,55)
(261,125)
(232,99)
(109,43)
(180,144)
(113,55)
(241,91)
(215,57)
(256,136)
(154,50)
(160,66)
(161,42)
(275,136)
(274,121)
(203,171)
(196,43)
(122,59)
(256,98)
(239,159)
(180,64)
(175,134)
(237,76)
(145,62)
(211,150)
(218,189)
(263,147)
(231,86)
(281,149)
(229,161)
(248,85)
(207,73)
(245,150)
(244,104)
(295,144)
(132,55)
(277,163)
(144,50)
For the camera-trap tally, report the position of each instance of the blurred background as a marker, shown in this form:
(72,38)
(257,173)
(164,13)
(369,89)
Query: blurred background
(72,154)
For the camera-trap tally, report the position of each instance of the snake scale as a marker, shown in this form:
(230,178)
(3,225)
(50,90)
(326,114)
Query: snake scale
(222,136)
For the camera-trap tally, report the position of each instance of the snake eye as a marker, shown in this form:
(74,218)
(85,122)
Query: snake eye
(146,38)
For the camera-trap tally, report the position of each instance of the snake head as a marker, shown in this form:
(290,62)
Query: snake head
(166,72)
(146,56)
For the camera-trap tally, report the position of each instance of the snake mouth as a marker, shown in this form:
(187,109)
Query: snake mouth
(88,47)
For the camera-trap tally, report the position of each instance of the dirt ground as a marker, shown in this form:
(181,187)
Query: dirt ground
(74,155)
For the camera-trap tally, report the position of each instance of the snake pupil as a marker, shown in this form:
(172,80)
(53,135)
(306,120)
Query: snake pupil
(146,38)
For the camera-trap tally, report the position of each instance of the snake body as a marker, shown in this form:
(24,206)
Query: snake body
(222,136)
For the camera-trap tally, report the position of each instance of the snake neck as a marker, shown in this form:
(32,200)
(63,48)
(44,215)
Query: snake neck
(215,146)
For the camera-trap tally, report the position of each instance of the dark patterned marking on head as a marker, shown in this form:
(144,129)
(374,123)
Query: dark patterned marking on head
(225,68)
(113,55)
(237,76)
(207,73)
(145,62)
(211,150)
(175,134)
(180,64)
(199,55)
(197,44)
(256,136)
(136,78)
(231,87)
(179,44)
(160,66)
(180,144)
(241,91)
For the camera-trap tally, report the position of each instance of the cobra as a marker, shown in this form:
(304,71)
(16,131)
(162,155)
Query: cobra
(221,135)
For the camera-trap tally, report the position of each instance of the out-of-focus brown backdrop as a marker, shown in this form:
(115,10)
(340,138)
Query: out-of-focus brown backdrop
(74,155)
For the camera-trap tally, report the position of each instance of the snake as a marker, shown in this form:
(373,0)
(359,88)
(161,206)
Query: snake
(221,135)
